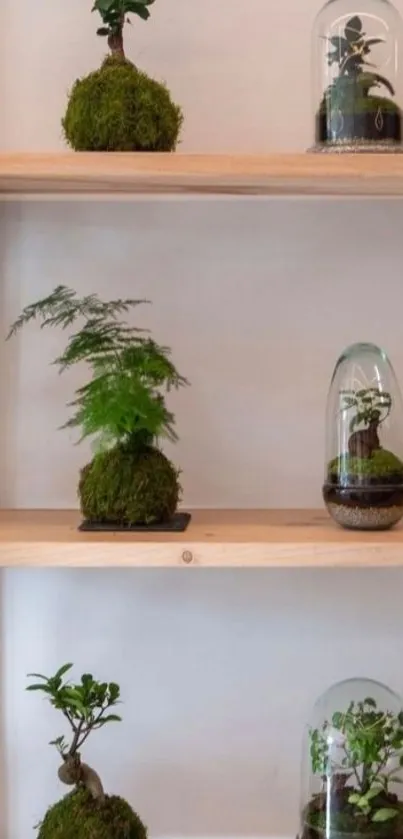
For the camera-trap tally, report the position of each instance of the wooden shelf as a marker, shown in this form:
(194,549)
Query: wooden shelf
(215,538)
(86,174)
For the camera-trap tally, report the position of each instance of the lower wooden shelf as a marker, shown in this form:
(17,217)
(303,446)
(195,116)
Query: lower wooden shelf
(215,538)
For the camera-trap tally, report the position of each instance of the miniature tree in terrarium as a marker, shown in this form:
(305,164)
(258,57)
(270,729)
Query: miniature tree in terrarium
(129,483)
(357,55)
(363,486)
(87,812)
(118,107)
(352,768)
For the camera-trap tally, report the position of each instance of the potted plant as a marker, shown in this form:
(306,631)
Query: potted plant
(129,483)
(118,107)
(352,111)
(364,484)
(87,812)
(356,759)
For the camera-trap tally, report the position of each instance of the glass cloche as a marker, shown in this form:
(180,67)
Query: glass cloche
(357,55)
(352,778)
(363,486)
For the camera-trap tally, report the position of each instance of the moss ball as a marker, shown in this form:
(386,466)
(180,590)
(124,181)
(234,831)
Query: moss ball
(119,108)
(383,463)
(125,486)
(79,816)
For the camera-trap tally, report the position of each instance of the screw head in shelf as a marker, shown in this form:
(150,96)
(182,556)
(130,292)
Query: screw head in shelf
(187,557)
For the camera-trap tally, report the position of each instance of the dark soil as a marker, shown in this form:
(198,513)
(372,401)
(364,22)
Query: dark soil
(377,492)
(369,122)
(344,821)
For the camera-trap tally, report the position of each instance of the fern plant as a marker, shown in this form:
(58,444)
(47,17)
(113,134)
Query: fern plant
(124,400)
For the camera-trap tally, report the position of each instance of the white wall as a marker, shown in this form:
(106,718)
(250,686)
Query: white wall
(257,298)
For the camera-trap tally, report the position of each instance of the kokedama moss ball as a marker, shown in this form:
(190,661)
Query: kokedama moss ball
(119,108)
(79,816)
(129,486)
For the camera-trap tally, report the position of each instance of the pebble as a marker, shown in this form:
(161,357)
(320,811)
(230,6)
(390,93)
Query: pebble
(365,518)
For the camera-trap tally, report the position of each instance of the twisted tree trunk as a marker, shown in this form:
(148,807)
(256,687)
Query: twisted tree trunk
(74,773)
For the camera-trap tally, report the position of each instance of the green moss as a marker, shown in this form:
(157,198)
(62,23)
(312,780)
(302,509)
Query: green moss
(382,464)
(129,486)
(79,816)
(119,108)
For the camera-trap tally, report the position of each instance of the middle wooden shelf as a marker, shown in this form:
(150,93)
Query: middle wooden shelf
(215,538)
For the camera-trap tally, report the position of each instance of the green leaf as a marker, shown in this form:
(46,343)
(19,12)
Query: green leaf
(103,5)
(371,43)
(45,688)
(368,80)
(362,802)
(353,29)
(370,702)
(37,676)
(373,792)
(63,670)
(75,703)
(384,814)
(112,718)
(138,9)
(354,798)
(103,31)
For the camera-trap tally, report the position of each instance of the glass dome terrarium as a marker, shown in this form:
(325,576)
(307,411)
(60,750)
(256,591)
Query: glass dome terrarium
(363,486)
(352,771)
(356,75)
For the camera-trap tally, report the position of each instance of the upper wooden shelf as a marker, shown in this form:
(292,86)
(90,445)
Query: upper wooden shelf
(215,538)
(180,174)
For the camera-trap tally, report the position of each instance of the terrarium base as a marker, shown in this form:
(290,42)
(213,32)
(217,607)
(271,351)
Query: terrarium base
(359,147)
(177,524)
(365,518)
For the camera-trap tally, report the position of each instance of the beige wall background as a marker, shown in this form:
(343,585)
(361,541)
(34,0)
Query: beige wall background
(257,298)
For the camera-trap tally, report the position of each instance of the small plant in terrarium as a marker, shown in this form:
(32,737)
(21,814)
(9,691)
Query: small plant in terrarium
(118,107)
(364,478)
(129,483)
(87,812)
(356,757)
(358,107)
(368,408)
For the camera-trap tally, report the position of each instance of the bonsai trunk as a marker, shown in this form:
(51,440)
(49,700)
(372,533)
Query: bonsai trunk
(115,41)
(364,443)
(74,773)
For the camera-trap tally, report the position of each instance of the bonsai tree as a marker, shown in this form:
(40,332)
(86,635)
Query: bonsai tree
(370,406)
(117,107)
(350,110)
(364,486)
(357,756)
(129,480)
(87,812)
(366,409)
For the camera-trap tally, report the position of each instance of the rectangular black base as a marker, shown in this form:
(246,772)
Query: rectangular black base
(177,524)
